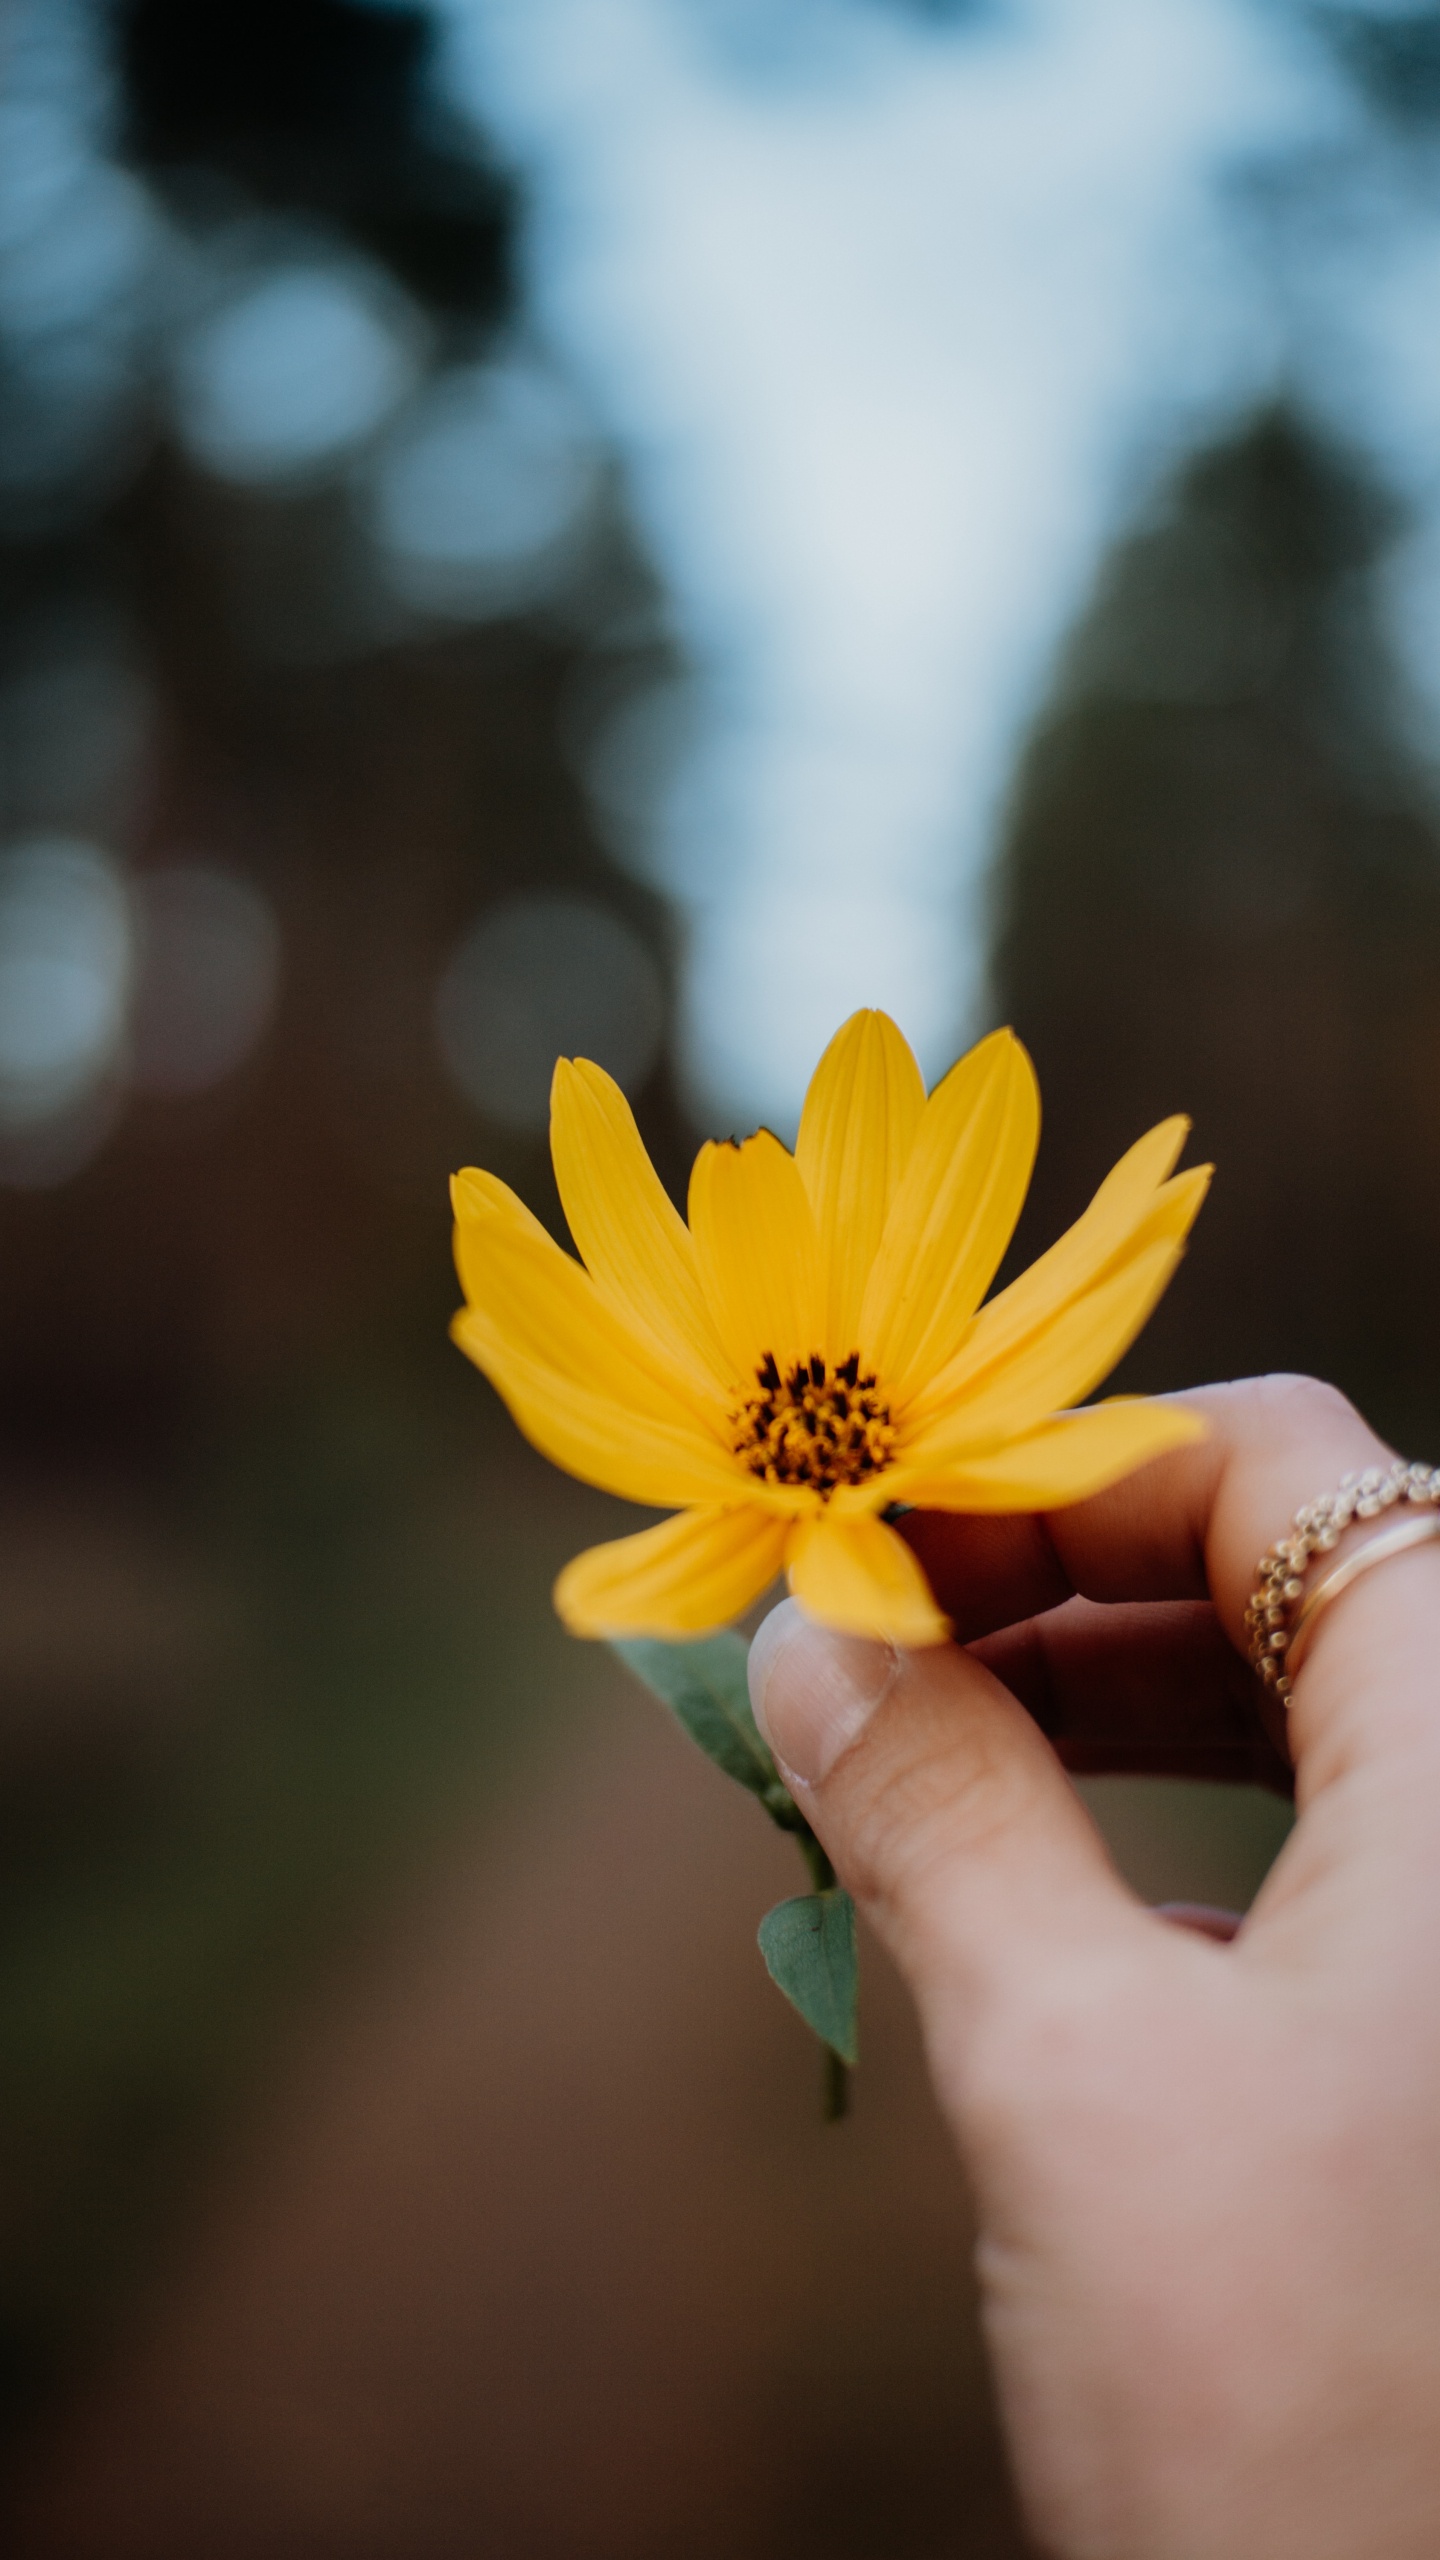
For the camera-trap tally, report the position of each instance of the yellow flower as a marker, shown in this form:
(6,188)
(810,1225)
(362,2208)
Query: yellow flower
(812,1347)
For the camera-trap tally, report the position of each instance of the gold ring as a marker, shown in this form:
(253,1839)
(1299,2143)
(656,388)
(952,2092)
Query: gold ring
(1275,1616)
(1391,1542)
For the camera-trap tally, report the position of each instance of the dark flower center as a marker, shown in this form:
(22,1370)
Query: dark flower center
(812,1427)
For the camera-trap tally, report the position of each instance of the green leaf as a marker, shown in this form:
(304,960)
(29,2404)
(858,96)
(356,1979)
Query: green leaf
(809,1950)
(704,1684)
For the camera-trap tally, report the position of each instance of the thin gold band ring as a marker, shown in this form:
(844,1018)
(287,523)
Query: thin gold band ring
(1414,1532)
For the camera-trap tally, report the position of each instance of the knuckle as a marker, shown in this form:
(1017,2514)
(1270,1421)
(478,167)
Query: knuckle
(1302,1407)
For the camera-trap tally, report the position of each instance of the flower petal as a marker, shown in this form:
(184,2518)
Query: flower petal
(857,1575)
(757,1252)
(546,1305)
(581,1386)
(475,1198)
(641,1455)
(1057,1367)
(631,1238)
(861,1113)
(1134,1207)
(681,1578)
(953,1214)
(1065,1460)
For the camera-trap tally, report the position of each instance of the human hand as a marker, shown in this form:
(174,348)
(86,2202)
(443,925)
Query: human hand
(1207,2176)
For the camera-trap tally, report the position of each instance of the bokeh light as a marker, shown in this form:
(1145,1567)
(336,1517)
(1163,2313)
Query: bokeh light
(480,501)
(538,979)
(80,245)
(162,986)
(207,976)
(65,962)
(634,755)
(294,370)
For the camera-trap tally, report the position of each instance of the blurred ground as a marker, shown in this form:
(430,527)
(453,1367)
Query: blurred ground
(538,2244)
(541,2246)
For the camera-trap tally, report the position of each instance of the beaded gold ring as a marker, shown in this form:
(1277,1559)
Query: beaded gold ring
(1277,1626)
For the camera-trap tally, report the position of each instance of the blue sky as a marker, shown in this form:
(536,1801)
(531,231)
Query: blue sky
(895,326)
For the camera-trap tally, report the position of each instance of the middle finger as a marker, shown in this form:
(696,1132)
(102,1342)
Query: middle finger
(1150,1689)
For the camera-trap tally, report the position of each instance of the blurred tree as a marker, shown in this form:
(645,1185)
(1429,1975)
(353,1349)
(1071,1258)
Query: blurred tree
(274,1570)
(1221,893)
(323,107)
(1394,54)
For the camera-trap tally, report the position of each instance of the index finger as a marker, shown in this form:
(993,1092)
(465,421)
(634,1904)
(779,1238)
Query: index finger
(1192,1524)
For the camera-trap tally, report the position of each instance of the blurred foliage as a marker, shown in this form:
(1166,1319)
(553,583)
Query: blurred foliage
(223,1363)
(1395,55)
(322,108)
(1221,894)
(172,1882)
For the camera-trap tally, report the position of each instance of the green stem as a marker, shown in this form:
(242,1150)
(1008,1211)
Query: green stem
(835,2074)
(822,1874)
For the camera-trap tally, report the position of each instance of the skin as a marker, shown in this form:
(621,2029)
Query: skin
(1206,2174)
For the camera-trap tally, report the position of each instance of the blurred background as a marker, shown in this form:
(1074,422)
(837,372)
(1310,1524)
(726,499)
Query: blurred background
(625,527)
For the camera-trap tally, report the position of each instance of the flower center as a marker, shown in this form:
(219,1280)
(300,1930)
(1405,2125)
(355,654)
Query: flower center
(812,1428)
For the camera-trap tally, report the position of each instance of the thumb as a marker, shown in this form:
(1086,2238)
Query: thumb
(942,1807)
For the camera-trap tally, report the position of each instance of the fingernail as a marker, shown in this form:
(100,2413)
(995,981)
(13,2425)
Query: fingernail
(813,1691)
(1203,1917)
